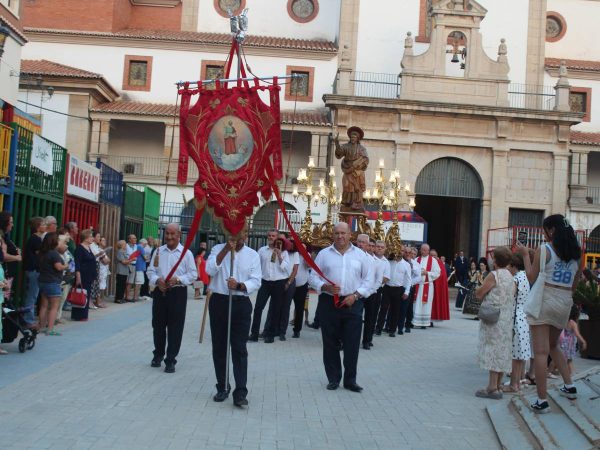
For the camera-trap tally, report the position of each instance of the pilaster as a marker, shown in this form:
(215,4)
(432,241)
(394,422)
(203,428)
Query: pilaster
(560,183)
(499,210)
(100,137)
(349,14)
(189,15)
(171,129)
(536,43)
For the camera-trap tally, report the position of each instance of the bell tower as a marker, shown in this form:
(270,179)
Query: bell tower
(455,68)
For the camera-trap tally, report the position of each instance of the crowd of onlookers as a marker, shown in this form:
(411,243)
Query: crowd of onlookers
(56,260)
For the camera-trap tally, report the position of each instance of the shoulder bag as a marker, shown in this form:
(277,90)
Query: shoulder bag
(78,297)
(488,313)
(533,303)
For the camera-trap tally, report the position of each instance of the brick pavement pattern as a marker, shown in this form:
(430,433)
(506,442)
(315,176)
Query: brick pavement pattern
(93,388)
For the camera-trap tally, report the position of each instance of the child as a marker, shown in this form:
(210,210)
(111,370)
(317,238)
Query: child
(51,267)
(569,338)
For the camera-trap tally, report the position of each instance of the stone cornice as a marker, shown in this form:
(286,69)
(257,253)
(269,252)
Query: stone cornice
(112,40)
(399,105)
(99,89)
(577,74)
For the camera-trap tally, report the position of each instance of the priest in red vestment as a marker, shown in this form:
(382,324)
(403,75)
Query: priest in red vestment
(440,309)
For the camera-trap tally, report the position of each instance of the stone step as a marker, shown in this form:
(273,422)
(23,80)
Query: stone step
(583,412)
(511,430)
(554,430)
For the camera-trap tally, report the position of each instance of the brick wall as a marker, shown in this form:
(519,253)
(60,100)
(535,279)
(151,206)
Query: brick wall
(98,15)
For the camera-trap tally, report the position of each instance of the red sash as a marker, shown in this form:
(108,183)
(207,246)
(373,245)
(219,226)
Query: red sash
(425,286)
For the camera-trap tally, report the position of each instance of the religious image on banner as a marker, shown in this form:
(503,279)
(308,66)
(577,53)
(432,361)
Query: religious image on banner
(235,140)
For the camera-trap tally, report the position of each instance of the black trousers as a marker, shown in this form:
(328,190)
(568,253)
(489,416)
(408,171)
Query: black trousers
(340,324)
(275,291)
(395,300)
(299,301)
(145,289)
(371,304)
(241,312)
(410,312)
(120,287)
(168,319)
(383,309)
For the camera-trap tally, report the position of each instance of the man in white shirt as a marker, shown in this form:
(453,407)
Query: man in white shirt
(384,268)
(169,299)
(350,269)
(430,271)
(415,274)
(275,263)
(241,282)
(400,282)
(371,302)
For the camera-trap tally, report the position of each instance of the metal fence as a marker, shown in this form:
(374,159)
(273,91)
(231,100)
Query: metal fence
(531,96)
(593,195)
(377,85)
(145,166)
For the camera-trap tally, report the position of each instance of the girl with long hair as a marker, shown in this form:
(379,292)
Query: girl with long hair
(562,270)
(51,266)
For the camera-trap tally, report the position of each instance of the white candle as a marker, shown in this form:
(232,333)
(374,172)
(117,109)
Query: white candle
(381,163)
(332,171)
(311,162)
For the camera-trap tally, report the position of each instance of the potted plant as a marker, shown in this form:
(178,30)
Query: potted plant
(587,297)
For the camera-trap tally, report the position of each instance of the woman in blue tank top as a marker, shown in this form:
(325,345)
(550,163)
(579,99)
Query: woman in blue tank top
(562,254)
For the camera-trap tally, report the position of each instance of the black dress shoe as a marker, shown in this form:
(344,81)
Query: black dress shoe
(407,330)
(353,387)
(169,367)
(269,340)
(220,396)
(392,334)
(240,401)
(332,386)
(253,338)
(423,328)
(400,332)
(156,363)
(378,332)
(296,334)
(282,337)
(366,346)
(261,335)
(370,344)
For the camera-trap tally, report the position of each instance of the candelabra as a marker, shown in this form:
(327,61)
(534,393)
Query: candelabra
(328,193)
(305,177)
(377,196)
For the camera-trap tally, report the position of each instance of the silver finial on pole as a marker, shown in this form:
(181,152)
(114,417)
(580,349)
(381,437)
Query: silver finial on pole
(238,24)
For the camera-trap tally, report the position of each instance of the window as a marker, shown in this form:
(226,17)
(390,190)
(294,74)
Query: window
(580,100)
(556,26)
(303,11)
(300,88)
(212,70)
(525,217)
(235,6)
(137,73)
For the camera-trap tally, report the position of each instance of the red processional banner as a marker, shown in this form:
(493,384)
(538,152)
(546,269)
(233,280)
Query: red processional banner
(232,136)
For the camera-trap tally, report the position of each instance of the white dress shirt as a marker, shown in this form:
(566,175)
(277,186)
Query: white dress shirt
(294,259)
(378,269)
(386,267)
(415,273)
(400,275)
(186,272)
(273,271)
(351,271)
(303,272)
(246,270)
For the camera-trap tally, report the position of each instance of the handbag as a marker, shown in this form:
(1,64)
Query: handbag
(488,314)
(533,303)
(78,297)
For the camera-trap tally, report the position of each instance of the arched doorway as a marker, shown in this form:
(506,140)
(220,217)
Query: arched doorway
(449,193)
(593,241)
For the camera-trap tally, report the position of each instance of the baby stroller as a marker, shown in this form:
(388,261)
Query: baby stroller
(12,324)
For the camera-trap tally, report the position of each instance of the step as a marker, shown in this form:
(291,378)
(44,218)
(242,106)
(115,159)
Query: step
(531,419)
(583,412)
(511,430)
(555,429)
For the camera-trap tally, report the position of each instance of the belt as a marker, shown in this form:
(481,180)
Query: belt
(237,297)
(564,288)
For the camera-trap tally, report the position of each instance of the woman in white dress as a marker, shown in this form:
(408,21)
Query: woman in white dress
(521,348)
(104,271)
(561,268)
(495,339)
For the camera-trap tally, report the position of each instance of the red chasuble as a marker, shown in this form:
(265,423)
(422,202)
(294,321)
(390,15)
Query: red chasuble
(440,309)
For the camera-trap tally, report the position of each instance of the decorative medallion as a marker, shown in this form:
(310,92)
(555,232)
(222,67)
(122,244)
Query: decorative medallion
(556,26)
(303,10)
(235,6)
(230,143)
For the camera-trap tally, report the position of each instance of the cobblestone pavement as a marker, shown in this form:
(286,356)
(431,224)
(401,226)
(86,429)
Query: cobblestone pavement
(93,388)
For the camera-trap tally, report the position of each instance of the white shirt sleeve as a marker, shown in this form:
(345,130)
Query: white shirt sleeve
(314,280)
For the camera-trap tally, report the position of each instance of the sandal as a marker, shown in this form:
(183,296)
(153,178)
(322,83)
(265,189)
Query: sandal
(528,380)
(510,390)
(484,393)
(53,333)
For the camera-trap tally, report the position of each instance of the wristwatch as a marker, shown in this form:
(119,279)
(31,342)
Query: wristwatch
(357,295)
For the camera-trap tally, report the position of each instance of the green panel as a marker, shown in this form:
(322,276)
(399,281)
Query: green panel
(32,178)
(132,226)
(151,203)
(133,204)
(150,228)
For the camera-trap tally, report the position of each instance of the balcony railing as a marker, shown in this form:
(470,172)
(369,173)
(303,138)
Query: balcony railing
(531,96)
(593,195)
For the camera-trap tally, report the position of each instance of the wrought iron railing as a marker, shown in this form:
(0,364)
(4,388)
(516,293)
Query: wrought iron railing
(378,85)
(593,195)
(531,96)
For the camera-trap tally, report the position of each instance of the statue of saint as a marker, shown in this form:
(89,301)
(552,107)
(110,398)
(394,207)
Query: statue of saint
(354,163)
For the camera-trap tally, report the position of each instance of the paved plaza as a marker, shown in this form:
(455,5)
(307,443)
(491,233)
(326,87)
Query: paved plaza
(93,388)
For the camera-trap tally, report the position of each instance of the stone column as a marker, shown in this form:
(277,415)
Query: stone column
(189,15)
(100,137)
(348,36)
(562,89)
(499,212)
(169,130)
(536,45)
(560,183)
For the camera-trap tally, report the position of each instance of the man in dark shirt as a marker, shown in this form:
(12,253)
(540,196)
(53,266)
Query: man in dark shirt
(31,266)
(461,265)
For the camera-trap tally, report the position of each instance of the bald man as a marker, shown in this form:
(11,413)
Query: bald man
(351,271)
(430,271)
(169,299)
